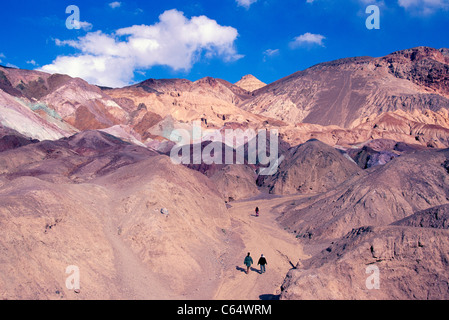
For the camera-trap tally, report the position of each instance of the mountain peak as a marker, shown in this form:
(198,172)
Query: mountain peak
(250,83)
(248,76)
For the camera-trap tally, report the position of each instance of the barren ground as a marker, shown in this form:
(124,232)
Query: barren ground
(258,235)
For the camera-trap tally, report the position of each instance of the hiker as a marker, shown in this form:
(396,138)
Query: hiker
(248,262)
(257,211)
(262,262)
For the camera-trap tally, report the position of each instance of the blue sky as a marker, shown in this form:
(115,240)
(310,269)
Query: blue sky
(123,42)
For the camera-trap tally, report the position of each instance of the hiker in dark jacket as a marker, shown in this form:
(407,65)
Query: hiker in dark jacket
(248,262)
(262,262)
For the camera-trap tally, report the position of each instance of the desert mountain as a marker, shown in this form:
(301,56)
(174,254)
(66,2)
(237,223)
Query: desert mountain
(356,99)
(375,197)
(435,217)
(380,151)
(213,101)
(86,179)
(250,83)
(402,96)
(409,255)
(410,263)
(62,94)
(345,91)
(55,106)
(310,168)
(11,139)
(138,213)
(236,182)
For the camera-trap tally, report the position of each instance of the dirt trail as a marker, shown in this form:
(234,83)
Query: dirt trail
(247,233)
(259,235)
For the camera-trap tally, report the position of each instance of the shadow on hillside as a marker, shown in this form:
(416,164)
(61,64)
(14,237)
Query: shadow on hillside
(269,297)
(256,270)
(244,269)
(240,269)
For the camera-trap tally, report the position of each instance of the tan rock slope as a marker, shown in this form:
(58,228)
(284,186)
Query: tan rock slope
(95,201)
(344,91)
(402,96)
(310,168)
(435,217)
(250,83)
(410,262)
(374,197)
(236,182)
(410,256)
(380,151)
(59,98)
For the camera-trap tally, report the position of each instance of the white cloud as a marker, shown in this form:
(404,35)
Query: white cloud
(308,39)
(174,41)
(271,52)
(424,6)
(86,26)
(245,3)
(2,56)
(115,4)
(32,62)
(101,70)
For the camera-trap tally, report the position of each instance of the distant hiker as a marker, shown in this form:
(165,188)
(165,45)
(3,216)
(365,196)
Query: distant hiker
(248,262)
(262,262)
(257,211)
